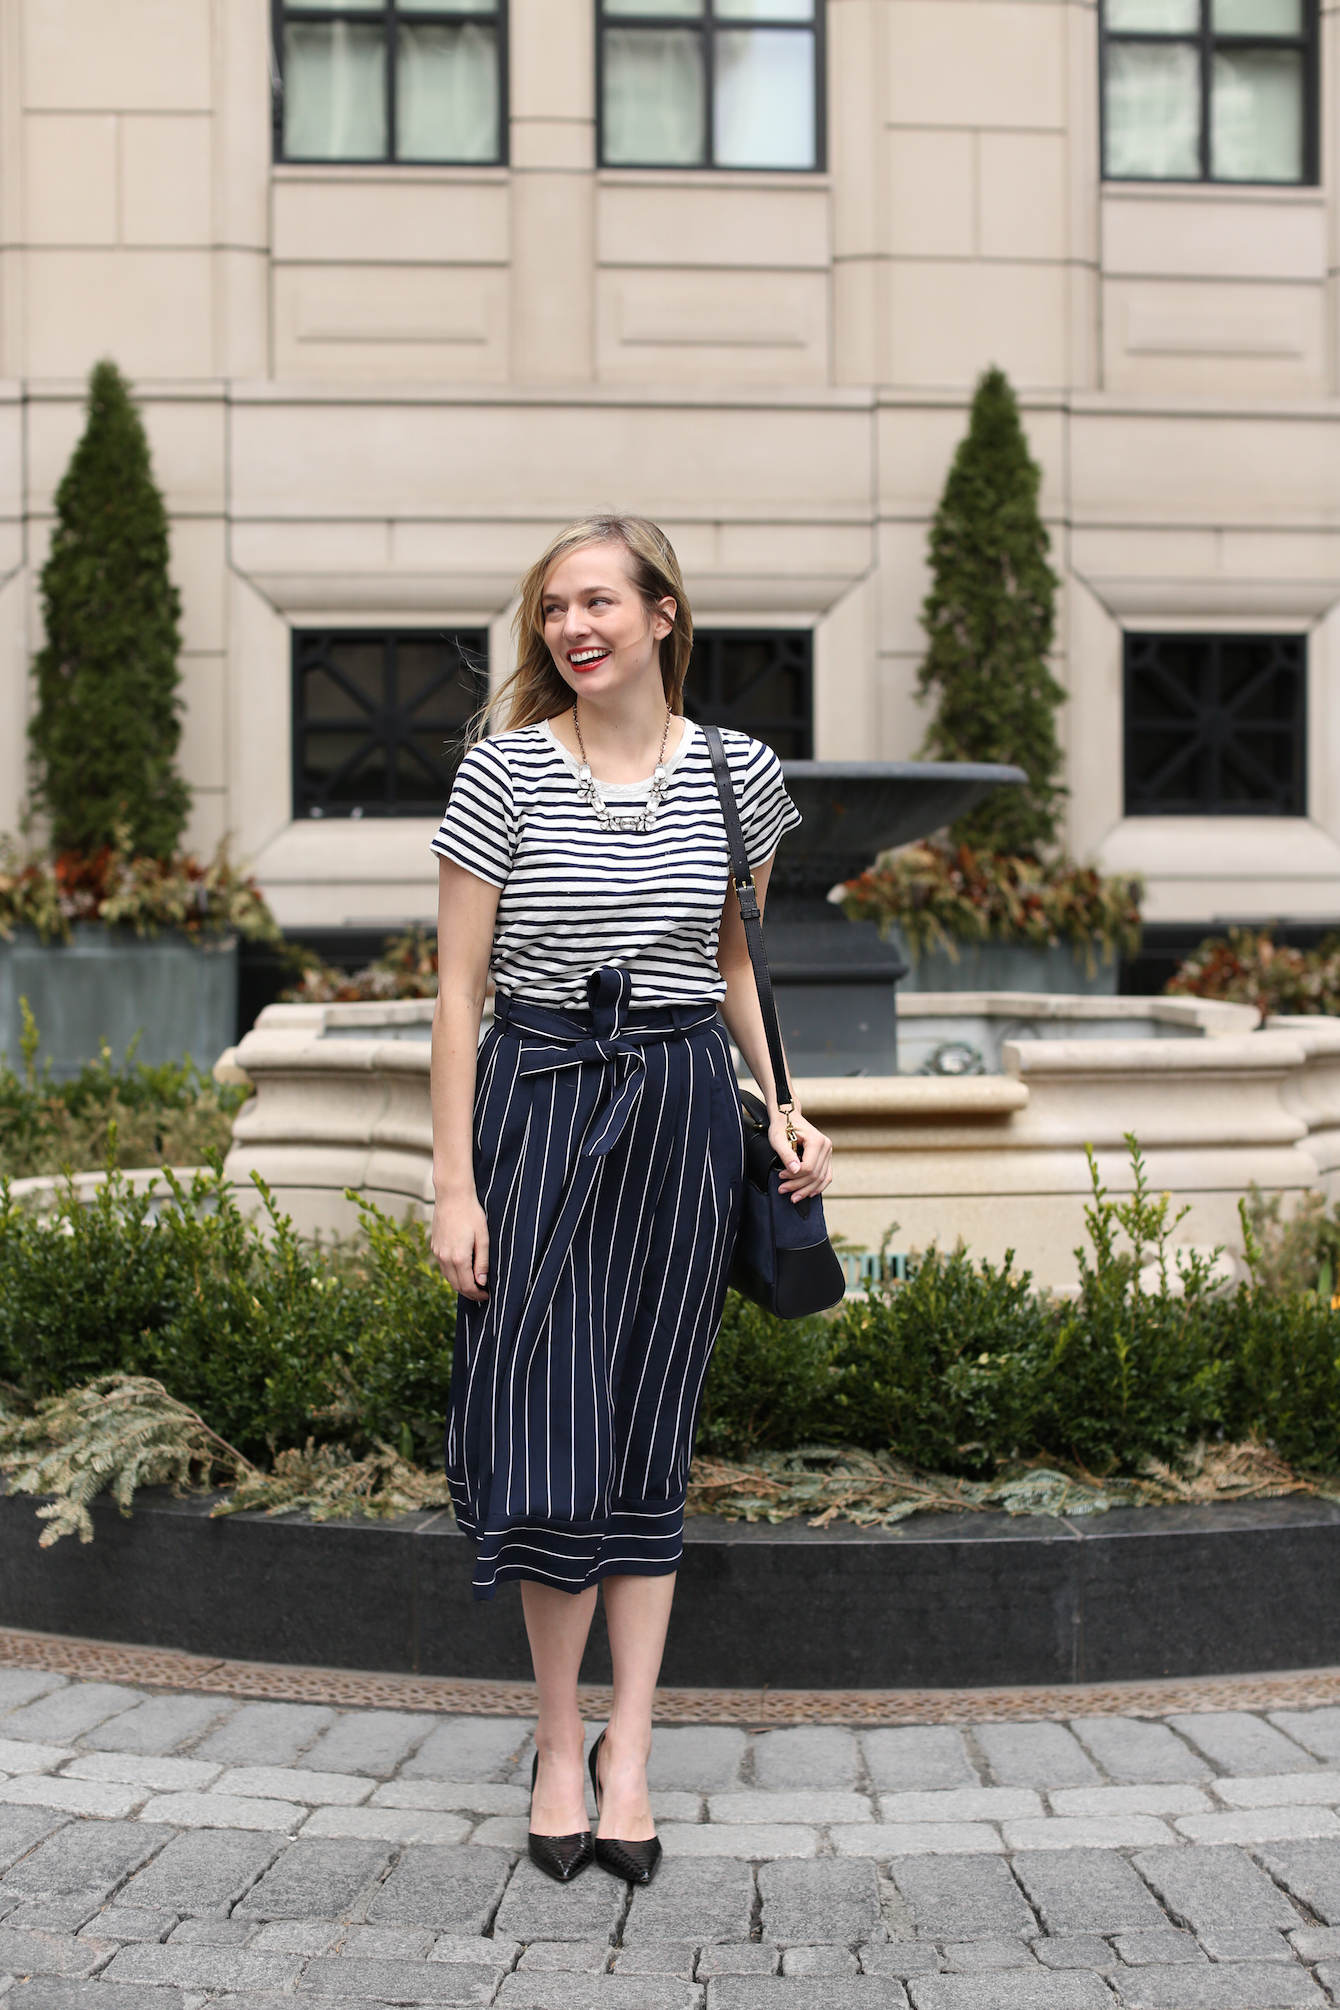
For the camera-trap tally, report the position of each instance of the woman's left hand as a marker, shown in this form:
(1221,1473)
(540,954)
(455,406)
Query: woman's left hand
(809,1171)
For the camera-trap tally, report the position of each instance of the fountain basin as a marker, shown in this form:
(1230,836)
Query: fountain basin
(952,1031)
(996,1159)
(854,809)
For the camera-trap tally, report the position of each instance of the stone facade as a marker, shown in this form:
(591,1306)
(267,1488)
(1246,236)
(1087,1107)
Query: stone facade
(372,391)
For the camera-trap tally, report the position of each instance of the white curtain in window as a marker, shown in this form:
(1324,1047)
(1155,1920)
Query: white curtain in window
(1256,116)
(764,10)
(334,91)
(631,9)
(653,109)
(446,92)
(1258,17)
(1152,108)
(763,115)
(1153,17)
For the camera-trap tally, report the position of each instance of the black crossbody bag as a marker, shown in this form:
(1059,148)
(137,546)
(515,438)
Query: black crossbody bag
(783,1257)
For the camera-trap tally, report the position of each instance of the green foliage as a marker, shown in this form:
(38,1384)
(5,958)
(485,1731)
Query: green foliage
(938,897)
(1247,967)
(769,1380)
(133,1114)
(392,1383)
(933,1368)
(989,619)
(1299,1252)
(107,723)
(1282,1351)
(965,1368)
(1130,1374)
(267,1336)
(332,1365)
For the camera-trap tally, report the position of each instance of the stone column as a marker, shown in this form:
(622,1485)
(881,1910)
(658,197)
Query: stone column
(552,147)
(858,164)
(241,187)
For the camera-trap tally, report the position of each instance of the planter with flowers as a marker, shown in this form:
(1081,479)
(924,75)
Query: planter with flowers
(406,968)
(986,921)
(111,932)
(1248,967)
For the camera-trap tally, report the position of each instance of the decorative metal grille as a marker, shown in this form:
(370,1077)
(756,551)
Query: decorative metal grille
(1210,90)
(1216,725)
(760,681)
(416,81)
(379,719)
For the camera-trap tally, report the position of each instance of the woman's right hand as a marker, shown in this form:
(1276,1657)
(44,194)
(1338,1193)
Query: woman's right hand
(460,1242)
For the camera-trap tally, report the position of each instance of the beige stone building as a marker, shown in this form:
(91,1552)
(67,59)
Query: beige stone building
(403,285)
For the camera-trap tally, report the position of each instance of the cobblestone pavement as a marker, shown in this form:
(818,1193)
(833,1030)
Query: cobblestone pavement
(158,1850)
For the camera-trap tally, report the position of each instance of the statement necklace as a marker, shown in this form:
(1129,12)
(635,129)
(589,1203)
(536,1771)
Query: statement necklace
(590,793)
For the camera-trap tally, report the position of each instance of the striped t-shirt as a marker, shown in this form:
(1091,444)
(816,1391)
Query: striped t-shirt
(576,896)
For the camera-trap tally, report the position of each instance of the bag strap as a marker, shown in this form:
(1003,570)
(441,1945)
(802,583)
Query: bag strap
(747,896)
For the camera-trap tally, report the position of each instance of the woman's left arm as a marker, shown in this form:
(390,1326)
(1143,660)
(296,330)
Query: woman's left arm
(810,1172)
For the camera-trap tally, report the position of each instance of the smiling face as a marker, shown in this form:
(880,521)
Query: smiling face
(600,631)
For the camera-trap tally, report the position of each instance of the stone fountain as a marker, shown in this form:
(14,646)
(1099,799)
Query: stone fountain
(836,979)
(997,1157)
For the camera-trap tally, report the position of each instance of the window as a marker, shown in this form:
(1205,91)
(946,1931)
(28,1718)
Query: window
(757,680)
(379,719)
(1209,90)
(390,80)
(1216,725)
(711,83)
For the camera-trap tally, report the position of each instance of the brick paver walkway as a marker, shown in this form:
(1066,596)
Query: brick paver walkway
(161,1849)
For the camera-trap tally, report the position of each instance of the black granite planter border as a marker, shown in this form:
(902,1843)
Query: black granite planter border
(944,1601)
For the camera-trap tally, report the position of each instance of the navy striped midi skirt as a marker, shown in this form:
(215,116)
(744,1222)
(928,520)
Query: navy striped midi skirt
(609,1161)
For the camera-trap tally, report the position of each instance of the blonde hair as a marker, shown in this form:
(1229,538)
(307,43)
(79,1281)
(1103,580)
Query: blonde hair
(535,690)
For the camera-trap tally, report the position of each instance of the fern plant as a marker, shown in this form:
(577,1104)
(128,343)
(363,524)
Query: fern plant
(327,1483)
(115,1434)
(121,1432)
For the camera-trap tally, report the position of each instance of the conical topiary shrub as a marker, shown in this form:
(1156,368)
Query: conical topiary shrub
(105,732)
(989,619)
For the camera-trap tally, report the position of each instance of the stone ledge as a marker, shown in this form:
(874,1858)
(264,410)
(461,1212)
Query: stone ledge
(910,1097)
(967,1601)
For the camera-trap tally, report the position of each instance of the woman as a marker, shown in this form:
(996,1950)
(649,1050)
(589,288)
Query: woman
(588,1158)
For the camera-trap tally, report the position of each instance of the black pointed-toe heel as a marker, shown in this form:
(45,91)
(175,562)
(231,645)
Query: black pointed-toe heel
(634,1862)
(560,1857)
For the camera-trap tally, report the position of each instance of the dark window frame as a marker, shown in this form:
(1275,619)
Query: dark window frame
(796,643)
(707,23)
(1206,40)
(389,721)
(372,13)
(1204,730)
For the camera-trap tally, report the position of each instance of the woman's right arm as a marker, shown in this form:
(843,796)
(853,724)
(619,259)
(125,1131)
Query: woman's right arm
(466,910)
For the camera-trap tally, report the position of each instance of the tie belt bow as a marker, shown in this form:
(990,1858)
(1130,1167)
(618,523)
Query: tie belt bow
(614,1034)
